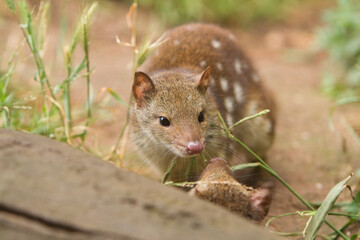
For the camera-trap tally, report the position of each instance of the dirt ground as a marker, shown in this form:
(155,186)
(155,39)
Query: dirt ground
(306,153)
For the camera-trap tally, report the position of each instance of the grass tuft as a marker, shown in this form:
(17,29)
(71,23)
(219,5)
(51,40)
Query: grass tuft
(48,116)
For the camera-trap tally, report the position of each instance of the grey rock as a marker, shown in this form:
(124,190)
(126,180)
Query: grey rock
(49,190)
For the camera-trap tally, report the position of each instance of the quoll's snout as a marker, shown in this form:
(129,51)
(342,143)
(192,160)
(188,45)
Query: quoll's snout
(194,147)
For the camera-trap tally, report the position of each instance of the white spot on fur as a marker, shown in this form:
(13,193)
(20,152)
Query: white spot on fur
(190,27)
(229,104)
(319,186)
(231,36)
(267,126)
(255,77)
(219,66)
(237,66)
(215,43)
(229,119)
(253,108)
(224,84)
(212,81)
(203,63)
(176,42)
(238,92)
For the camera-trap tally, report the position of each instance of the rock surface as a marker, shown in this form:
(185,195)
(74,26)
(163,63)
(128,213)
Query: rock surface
(49,190)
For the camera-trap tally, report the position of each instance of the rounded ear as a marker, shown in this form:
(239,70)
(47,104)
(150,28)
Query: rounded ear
(202,81)
(143,87)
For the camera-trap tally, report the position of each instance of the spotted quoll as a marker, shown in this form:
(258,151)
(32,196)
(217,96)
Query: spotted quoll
(197,71)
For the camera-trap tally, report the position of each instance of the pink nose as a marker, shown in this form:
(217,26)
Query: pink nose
(194,147)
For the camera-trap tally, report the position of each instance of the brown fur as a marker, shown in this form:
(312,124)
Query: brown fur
(180,93)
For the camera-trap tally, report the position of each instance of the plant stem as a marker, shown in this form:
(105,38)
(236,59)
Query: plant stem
(44,81)
(168,171)
(124,134)
(344,227)
(250,117)
(88,86)
(67,105)
(191,165)
(353,216)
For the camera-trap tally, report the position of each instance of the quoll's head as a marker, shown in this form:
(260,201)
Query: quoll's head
(172,108)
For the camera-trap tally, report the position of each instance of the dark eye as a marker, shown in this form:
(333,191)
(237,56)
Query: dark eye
(201,117)
(164,121)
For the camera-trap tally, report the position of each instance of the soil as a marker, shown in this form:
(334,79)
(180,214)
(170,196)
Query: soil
(306,153)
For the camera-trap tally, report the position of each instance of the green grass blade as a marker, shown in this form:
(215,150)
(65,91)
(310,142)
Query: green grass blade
(354,237)
(88,84)
(24,11)
(191,165)
(347,101)
(182,184)
(91,94)
(303,213)
(351,131)
(250,117)
(143,52)
(77,70)
(146,48)
(11,5)
(203,158)
(78,33)
(116,97)
(353,207)
(327,204)
(339,103)
(42,21)
(244,165)
(168,171)
(5,115)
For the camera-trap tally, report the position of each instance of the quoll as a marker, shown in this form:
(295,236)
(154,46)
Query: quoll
(198,70)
